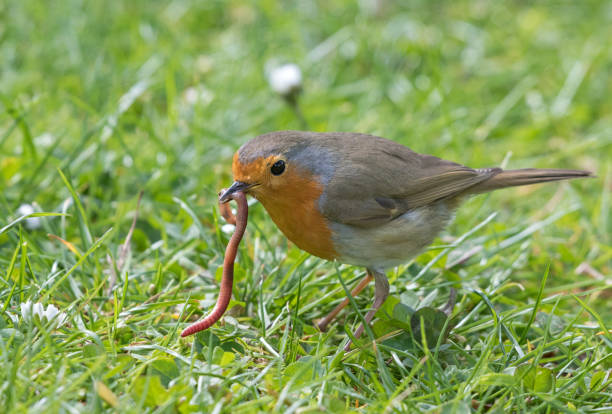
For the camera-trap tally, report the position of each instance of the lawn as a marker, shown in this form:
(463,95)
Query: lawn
(101,101)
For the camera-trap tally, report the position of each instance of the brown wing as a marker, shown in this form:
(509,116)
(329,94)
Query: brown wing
(379,180)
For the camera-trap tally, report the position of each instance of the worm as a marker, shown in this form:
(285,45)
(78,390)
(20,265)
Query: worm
(227,280)
(226,212)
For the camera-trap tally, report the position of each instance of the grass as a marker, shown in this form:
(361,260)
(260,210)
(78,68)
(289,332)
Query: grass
(102,100)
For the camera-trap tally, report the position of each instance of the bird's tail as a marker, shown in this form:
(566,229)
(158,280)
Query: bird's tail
(526,176)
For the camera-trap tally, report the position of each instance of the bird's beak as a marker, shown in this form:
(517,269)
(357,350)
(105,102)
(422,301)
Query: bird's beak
(224,197)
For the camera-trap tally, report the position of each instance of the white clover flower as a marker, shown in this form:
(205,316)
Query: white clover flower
(31,223)
(127,161)
(191,95)
(286,79)
(198,94)
(52,314)
(29,309)
(44,140)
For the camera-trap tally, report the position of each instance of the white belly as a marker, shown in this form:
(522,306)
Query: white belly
(392,243)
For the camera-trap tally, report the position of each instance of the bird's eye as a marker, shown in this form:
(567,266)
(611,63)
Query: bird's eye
(278,167)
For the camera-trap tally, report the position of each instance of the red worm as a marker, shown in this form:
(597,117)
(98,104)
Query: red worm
(226,212)
(227,279)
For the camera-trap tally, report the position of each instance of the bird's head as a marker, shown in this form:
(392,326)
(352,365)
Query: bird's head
(279,165)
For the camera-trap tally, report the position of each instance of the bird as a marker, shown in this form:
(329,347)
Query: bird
(361,199)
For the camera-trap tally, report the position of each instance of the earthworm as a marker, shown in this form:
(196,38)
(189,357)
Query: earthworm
(226,212)
(227,280)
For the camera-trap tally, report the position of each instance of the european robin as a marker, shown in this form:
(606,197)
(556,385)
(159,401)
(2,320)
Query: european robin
(361,199)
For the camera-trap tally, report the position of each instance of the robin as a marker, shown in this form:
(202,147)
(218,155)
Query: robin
(360,199)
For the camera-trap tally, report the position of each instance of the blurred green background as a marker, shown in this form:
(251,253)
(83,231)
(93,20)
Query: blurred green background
(157,95)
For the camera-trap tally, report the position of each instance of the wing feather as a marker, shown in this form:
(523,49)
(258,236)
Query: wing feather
(381,180)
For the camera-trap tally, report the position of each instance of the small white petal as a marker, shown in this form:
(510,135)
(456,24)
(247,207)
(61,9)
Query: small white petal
(191,95)
(25,209)
(198,94)
(44,140)
(26,311)
(285,79)
(51,312)
(38,309)
(31,223)
(228,228)
(127,161)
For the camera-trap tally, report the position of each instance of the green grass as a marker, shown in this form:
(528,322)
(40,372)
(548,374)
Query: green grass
(94,109)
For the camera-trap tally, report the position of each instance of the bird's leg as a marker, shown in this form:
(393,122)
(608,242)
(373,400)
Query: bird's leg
(322,324)
(381,292)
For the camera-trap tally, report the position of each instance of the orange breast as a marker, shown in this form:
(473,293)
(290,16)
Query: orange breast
(293,206)
(292,202)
